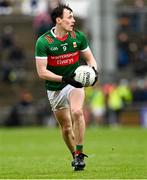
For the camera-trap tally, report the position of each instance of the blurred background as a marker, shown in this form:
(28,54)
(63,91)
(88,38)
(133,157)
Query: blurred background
(117,32)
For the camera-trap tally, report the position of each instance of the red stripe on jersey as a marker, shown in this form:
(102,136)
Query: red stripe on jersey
(64,59)
(49,39)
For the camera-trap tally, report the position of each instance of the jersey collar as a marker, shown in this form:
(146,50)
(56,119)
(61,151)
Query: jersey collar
(59,38)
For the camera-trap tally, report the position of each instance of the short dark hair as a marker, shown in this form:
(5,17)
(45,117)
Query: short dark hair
(58,12)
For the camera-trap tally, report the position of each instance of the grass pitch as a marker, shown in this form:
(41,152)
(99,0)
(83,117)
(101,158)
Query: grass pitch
(40,153)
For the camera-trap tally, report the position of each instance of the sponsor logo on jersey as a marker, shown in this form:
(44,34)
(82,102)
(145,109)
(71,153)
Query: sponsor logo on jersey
(54,49)
(49,39)
(74,44)
(64,59)
(65,44)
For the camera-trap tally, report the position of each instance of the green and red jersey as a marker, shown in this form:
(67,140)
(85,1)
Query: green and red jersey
(62,54)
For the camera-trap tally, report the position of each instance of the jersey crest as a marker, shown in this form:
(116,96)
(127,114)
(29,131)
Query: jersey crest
(74,44)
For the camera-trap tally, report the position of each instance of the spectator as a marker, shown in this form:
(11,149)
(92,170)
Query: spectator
(23,112)
(115,105)
(137,90)
(42,23)
(16,56)
(123,50)
(125,92)
(97,105)
(7,38)
(8,74)
(140,67)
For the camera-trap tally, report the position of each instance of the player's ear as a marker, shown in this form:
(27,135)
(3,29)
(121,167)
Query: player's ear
(58,20)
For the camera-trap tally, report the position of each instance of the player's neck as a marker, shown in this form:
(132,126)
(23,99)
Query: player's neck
(59,32)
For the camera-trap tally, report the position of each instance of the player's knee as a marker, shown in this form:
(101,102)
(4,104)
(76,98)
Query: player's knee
(67,130)
(77,112)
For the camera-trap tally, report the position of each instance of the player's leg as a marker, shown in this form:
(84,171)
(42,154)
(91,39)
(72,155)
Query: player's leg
(76,100)
(59,102)
(60,107)
(64,119)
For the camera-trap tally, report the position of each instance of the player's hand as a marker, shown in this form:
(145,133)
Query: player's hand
(96,76)
(70,80)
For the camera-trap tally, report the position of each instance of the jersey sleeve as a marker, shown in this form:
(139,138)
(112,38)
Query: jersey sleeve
(40,49)
(84,43)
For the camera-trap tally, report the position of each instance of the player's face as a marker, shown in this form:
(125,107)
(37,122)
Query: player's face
(68,21)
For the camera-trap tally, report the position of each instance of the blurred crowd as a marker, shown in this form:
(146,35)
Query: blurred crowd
(106,102)
(103,106)
(132,38)
(25,7)
(12,56)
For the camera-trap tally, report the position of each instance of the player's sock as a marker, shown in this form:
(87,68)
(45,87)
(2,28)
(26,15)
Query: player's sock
(79,149)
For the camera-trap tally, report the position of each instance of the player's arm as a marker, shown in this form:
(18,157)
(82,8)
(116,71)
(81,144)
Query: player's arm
(89,58)
(44,73)
(41,61)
